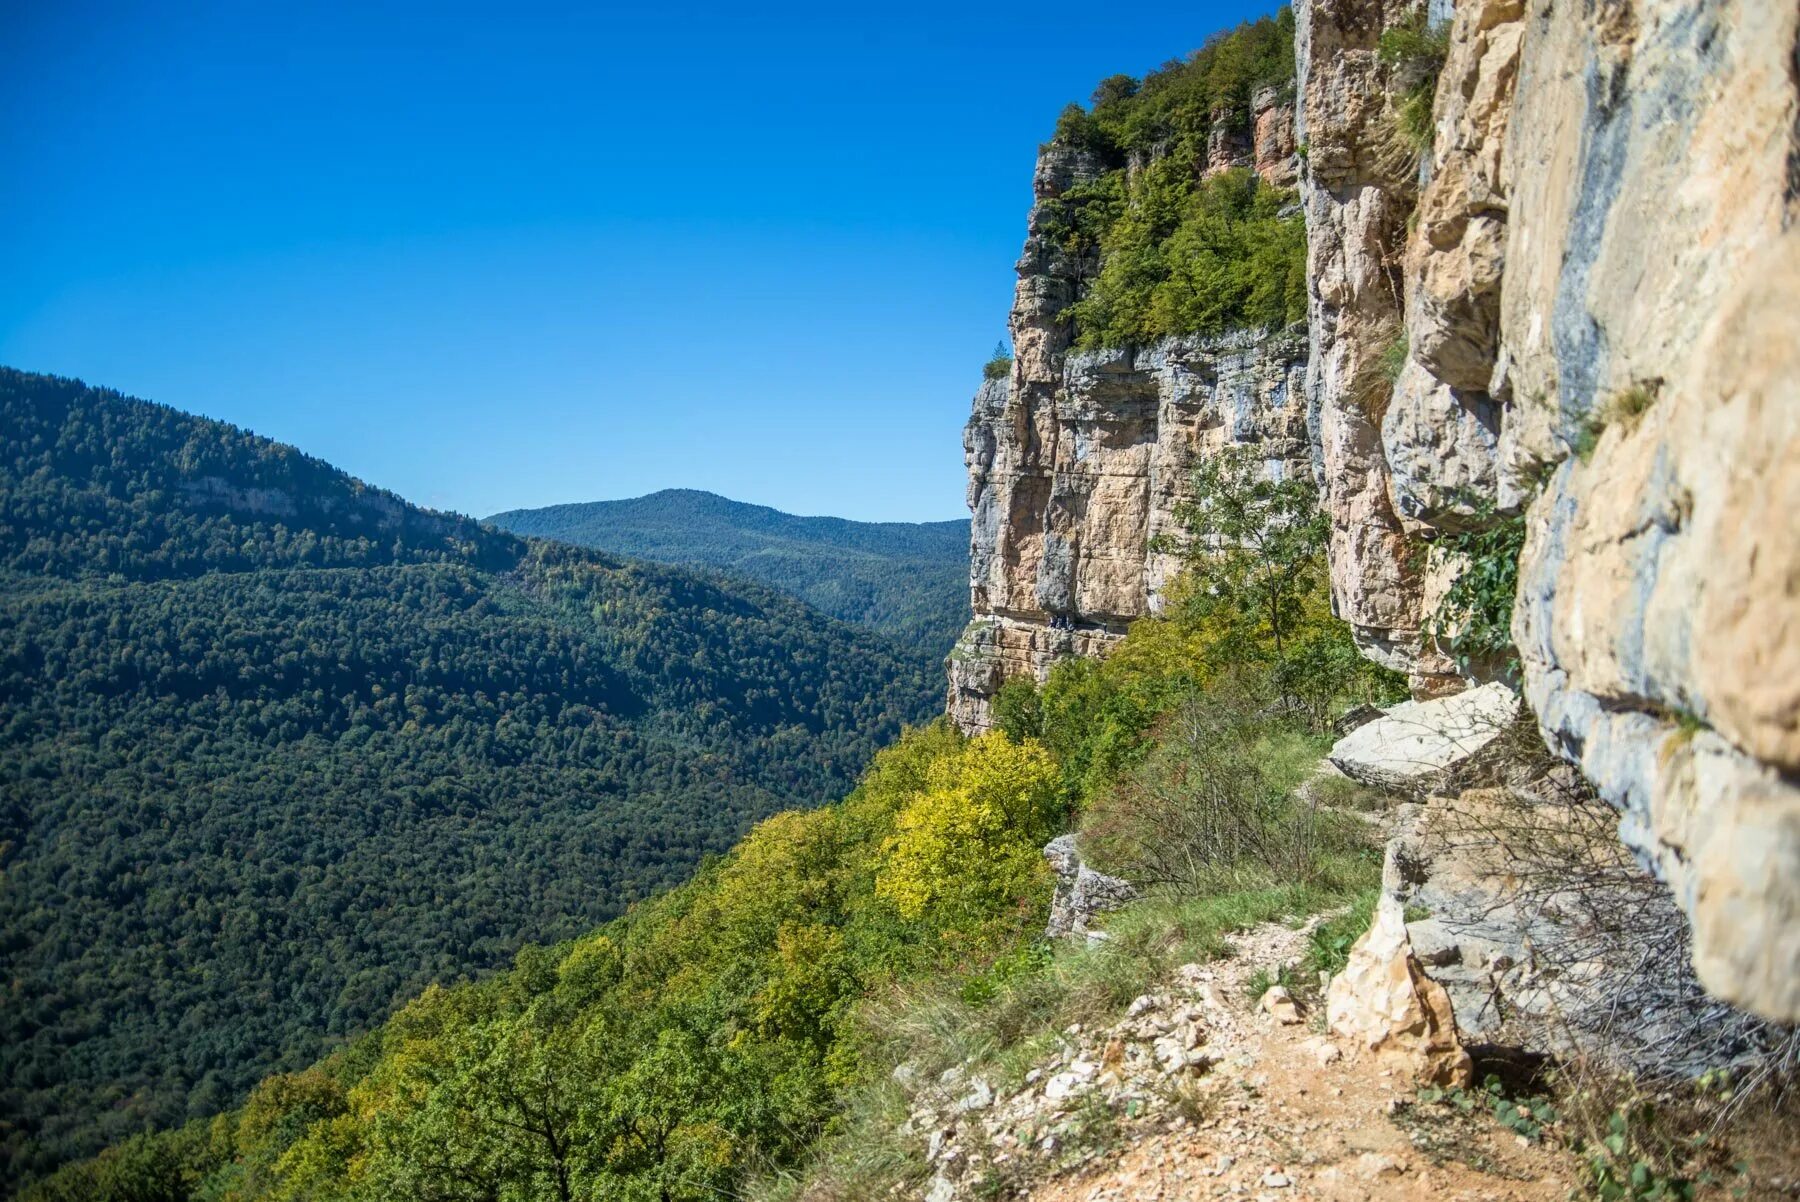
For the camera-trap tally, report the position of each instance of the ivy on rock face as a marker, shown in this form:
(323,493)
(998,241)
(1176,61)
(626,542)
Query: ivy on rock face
(277,750)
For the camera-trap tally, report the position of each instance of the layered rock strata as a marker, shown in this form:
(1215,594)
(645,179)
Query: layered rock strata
(1581,303)
(1078,460)
(1074,481)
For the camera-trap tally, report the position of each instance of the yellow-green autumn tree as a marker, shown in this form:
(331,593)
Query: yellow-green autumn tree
(965,852)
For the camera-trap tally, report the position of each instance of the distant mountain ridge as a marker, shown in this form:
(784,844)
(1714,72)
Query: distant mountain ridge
(278,749)
(906,579)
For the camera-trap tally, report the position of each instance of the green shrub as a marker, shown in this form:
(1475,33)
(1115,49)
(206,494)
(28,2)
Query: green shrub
(1176,255)
(1417,48)
(1473,622)
(999,364)
(1328,948)
(1623,409)
(1214,808)
(1188,257)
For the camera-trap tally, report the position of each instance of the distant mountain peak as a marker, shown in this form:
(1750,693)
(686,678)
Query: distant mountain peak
(906,579)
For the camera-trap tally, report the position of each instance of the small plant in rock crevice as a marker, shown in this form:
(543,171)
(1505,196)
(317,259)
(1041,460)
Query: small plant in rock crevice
(1416,49)
(1624,408)
(1473,621)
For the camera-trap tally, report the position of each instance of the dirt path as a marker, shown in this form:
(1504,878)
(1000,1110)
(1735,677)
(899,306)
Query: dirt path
(1285,1116)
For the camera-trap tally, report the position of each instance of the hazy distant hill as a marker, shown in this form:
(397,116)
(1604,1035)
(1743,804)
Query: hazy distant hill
(277,749)
(907,579)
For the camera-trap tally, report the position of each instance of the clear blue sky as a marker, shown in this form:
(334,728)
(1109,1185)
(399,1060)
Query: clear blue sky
(514,254)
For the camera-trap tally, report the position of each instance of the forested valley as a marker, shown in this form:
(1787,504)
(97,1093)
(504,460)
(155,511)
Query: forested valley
(909,580)
(280,750)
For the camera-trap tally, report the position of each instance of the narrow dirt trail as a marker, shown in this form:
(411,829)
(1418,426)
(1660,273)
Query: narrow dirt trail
(1286,1116)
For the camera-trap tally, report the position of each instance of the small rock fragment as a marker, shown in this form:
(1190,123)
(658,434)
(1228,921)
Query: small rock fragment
(1280,1005)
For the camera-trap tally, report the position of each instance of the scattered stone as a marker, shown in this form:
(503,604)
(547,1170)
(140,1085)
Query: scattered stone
(1371,1165)
(1279,1004)
(979,1097)
(1081,893)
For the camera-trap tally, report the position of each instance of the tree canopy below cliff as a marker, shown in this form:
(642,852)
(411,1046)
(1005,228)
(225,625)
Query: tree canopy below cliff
(280,749)
(1161,248)
(909,580)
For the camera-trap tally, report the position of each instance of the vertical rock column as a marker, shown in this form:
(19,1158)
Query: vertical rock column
(1078,461)
(1359,184)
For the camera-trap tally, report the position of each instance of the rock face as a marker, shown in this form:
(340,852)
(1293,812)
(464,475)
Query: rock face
(1081,892)
(1590,322)
(1076,467)
(1077,461)
(1545,935)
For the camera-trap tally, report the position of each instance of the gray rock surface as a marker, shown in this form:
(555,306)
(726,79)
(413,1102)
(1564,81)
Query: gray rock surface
(1591,277)
(1081,893)
(1414,745)
(1077,461)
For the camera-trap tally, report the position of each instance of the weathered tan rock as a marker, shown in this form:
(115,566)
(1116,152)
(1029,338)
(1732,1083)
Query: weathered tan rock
(1604,243)
(1279,1005)
(1384,1004)
(1076,468)
(1547,935)
(1077,462)
(1358,188)
(1273,142)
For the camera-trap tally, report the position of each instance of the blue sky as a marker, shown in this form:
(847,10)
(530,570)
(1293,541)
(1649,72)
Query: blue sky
(516,254)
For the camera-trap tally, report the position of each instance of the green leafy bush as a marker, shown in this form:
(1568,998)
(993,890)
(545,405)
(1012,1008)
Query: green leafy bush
(1191,257)
(1175,254)
(1473,621)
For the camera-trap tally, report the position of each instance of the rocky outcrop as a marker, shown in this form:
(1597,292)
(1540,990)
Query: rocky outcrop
(1078,460)
(1082,894)
(1543,933)
(1382,1003)
(1077,465)
(1414,746)
(1358,189)
(1590,322)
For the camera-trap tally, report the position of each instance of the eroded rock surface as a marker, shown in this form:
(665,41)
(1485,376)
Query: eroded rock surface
(1077,465)
(1586,292)
(1077,461)
(1545,935)
(1081,892)
(1384,1004)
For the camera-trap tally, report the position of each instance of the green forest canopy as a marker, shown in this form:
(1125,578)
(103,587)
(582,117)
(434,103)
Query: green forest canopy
(1159,250)
(909,580)
(720,1033)
(280,749)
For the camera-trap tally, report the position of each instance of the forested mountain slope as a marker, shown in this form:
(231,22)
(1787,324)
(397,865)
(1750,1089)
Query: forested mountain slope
(908,579)
(278,749)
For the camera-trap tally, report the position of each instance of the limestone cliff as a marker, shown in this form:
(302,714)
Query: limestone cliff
(1586,291)
(1078,459)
